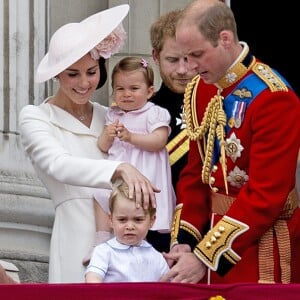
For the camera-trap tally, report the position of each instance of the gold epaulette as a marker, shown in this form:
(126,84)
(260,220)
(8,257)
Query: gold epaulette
(218,241)
(272,80)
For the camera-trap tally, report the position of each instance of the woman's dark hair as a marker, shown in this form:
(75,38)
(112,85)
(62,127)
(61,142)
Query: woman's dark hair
(103,73)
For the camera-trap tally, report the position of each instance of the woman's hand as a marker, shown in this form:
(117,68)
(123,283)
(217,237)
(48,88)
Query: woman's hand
(137,183)
(5,278)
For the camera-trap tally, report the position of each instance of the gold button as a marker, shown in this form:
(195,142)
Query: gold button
(212,180)
(221,228)
(207,245)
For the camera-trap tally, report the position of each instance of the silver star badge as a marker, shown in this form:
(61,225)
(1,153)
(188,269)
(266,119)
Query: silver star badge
(233,147)
(237,177)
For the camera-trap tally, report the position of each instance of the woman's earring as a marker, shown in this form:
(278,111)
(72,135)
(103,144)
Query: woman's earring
(55,79)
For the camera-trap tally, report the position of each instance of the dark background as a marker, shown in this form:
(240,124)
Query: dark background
(271,29)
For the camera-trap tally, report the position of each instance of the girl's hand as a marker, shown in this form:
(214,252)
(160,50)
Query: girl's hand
(123,133)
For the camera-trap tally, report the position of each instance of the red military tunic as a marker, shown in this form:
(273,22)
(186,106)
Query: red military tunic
(256,226)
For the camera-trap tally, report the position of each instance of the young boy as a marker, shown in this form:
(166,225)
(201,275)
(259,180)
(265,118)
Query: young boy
(127,257)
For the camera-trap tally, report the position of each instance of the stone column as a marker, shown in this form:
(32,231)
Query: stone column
(26,212)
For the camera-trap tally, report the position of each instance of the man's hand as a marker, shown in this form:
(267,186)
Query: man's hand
(176,249)
(187,269)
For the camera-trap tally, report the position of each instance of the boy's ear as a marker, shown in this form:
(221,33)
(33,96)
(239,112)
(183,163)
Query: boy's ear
(110,219)
(152,220)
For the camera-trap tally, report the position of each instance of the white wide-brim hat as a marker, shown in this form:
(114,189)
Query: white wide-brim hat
(74,40)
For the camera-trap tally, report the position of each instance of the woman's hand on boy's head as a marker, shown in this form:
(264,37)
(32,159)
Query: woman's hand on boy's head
(138,185)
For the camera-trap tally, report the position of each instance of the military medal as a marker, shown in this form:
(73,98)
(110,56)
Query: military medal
(238,123)
(233,147)
(231,122)
(237,114)
(237,177)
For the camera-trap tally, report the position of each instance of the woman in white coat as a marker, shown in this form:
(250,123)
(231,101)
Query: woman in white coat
(60,137)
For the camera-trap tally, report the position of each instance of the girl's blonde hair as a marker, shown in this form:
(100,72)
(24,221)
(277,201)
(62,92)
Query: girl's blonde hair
(132,63)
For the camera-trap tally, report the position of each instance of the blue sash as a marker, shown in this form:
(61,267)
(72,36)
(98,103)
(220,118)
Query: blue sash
(236,104)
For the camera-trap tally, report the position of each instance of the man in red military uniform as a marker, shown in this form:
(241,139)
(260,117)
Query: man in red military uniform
(237,217)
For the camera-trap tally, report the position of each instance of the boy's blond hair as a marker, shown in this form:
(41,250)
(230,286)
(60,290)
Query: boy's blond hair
(122,191)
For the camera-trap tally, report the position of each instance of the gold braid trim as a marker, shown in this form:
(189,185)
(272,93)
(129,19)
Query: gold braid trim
(265,252)
(178,224)
(282,231)
(218,241)
(213,124)
(178,147)
(192,230)
(266,256)
(232,257)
